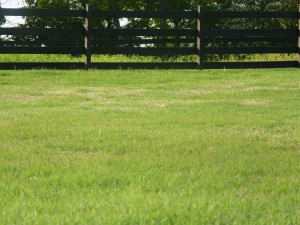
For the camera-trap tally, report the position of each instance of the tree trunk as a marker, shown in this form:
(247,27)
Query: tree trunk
(113,6)
(162,25)
(162,7)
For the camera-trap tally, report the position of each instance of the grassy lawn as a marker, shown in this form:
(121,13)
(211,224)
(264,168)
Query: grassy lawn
(150,147)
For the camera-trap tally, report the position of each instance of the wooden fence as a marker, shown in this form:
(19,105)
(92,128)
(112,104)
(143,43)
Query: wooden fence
(197,42)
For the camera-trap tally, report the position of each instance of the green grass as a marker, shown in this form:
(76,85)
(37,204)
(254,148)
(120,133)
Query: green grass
(95,58)
(260,57)
(150,147)
(136,58)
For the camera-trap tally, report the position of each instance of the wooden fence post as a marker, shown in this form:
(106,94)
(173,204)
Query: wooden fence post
(200,38)
(88,36)
(299,37)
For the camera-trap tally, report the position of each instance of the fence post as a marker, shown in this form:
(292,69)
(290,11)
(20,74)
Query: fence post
(88,36)
(299,37)
(200,37)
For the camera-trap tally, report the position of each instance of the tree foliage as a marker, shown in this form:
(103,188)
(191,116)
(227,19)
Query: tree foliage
(53,22)
(2,19)
(252,5)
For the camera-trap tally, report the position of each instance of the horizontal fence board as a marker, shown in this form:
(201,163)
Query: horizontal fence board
(150,65)
(250,50)
(97,42)
(144,51)
(79,43)
(42,50)
(146,41)
(144,32)
(43,31)
(42,12)
(40,65)
(248,65)
(145,14)
(251,39)
(251,32)
(251,15)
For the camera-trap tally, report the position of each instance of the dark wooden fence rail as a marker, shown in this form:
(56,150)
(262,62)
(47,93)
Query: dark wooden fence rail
(196,41)
(274,36)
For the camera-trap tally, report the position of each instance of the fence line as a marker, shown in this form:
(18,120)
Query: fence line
(189,41)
